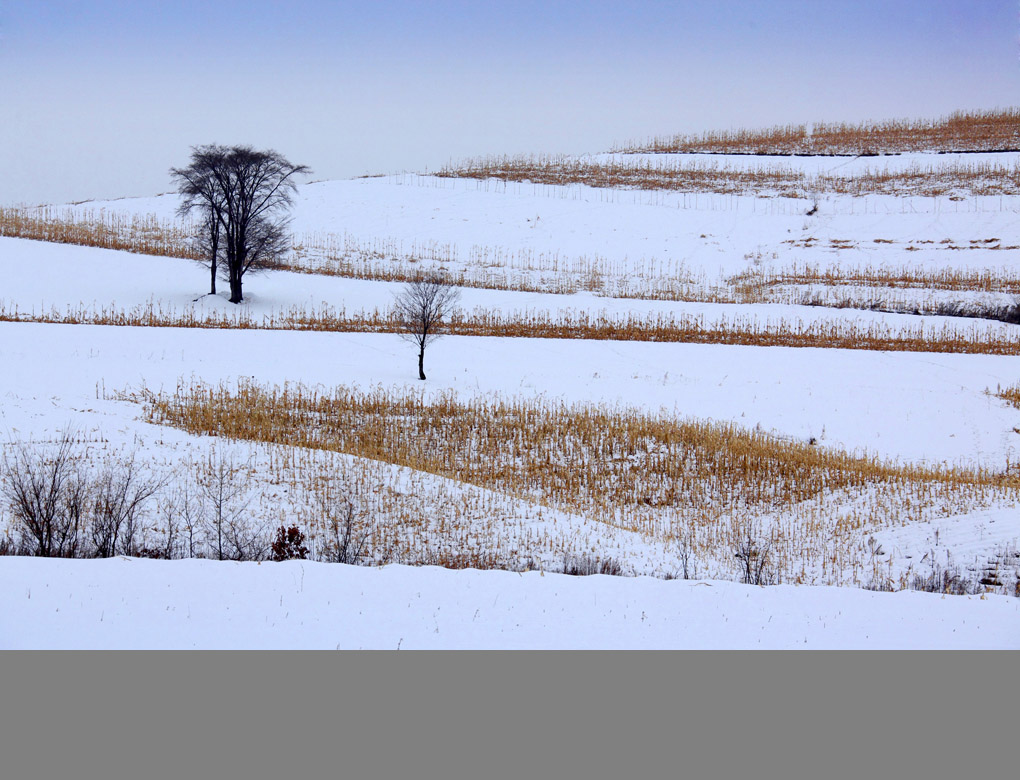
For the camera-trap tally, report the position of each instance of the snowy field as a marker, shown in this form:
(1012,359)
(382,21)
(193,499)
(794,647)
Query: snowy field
(129,603)
(908,408)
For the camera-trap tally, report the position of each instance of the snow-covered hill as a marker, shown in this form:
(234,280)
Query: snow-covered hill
(910,407)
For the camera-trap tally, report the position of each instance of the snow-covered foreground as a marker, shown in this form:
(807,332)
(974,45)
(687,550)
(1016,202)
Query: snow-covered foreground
(134,603)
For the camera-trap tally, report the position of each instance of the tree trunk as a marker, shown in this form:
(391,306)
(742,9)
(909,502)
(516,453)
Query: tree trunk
(214,249)
(421,363)
(235,263)
(212,265)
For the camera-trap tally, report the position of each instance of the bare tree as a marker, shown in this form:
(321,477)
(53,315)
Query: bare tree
(199,190)
(421,310)
(46,495)
(244,195)
(208,246)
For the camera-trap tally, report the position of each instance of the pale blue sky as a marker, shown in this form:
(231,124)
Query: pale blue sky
(99,98)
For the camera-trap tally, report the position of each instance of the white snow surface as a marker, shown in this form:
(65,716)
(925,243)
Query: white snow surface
(140,604)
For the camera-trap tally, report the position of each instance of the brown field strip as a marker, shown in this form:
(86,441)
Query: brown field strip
(657,328)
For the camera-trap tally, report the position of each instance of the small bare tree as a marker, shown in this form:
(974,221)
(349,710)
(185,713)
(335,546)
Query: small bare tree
(224,491)
(420,311)
(183,513)
(685,551)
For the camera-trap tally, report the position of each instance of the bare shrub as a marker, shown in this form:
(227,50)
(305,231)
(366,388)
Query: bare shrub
(8,545)
(880,585)
(46,495)
(119,497)
(586,565)
(171,527)
(192,516)
(246,539)
(754,553)
(945,579)
(156,552)
(1011,312)
(182,531)
(347,528)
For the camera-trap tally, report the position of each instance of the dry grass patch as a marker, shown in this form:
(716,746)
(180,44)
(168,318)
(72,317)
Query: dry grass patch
(522,270)
(904,277)
(142,234)
(665,479)
(968,131)
(993,244)
(644,175)
(1010,395)
(658,327)
(891,290)
(954,179)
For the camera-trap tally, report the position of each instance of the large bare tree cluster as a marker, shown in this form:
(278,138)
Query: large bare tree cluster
(242,196)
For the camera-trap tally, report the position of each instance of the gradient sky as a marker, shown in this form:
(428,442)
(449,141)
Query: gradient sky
(100,97)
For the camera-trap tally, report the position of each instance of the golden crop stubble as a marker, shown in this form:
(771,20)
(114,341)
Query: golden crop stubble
(769,181)
(643,473)
(142,234)
(948,279)
(994,130)
(600,327)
